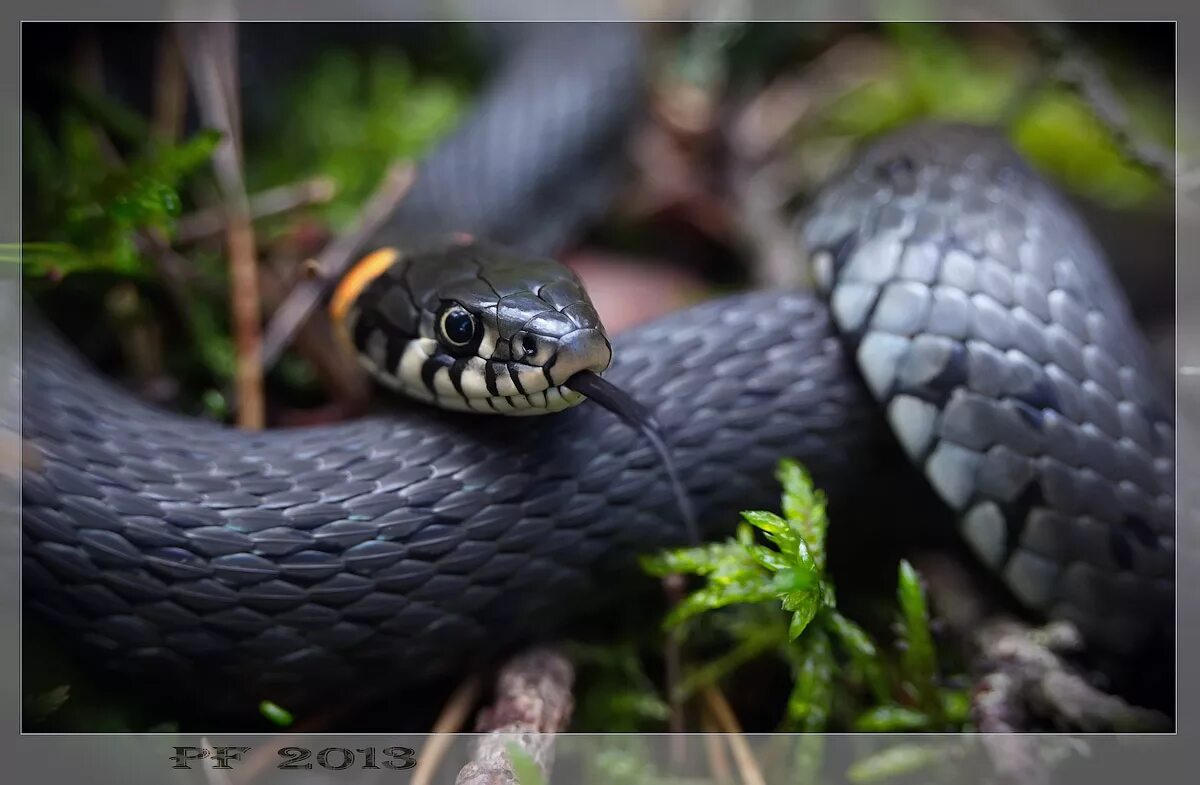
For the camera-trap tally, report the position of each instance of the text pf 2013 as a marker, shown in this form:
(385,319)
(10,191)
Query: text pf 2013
(330,758)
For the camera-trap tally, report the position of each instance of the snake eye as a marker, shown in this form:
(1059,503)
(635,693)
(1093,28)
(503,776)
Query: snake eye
(457,326)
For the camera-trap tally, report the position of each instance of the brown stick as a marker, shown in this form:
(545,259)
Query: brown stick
(452,720)
(333,260)
(170,87)
(675,588)
(533,702)
(724,718)
(1020,671)
(212,221)
(212,65)
(316,343)
(213,776)
(718,759)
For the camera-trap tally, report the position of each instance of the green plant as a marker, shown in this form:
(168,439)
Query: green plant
(88,208)
(781,561)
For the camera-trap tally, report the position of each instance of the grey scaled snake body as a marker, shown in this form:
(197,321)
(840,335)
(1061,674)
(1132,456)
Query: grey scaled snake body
(959,298)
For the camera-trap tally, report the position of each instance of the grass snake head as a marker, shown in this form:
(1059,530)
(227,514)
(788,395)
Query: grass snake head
(472,327)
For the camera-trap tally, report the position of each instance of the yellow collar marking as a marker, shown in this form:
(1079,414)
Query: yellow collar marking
(356,279)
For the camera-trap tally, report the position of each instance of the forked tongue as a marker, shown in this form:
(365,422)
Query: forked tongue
(641,419)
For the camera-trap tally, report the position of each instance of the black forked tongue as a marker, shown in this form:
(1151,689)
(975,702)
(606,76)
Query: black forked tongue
(641,419)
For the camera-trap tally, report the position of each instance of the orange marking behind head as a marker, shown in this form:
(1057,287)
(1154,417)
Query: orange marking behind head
(356,279)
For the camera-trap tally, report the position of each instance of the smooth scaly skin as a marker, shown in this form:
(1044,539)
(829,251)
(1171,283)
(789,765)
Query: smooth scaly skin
(983,317)
(293,562)
(533,327)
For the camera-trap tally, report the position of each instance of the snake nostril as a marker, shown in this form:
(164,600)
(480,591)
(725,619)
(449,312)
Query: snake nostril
(529,344)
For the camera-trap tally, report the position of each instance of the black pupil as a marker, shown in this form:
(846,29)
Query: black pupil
(459,327)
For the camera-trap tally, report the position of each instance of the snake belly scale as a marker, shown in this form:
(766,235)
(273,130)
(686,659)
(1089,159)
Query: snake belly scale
(959,296)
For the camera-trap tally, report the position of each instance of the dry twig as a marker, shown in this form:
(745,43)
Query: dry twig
(718,758)
(332,261)
(726,721)
(212,221)
(1023,675)
(452,720)
(212,775)
(212,63)
(1021,678)
(316,343)
(533,702)
(170,87)
(675,588)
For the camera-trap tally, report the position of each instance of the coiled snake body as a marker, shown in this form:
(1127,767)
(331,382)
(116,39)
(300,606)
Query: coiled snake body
(954,282)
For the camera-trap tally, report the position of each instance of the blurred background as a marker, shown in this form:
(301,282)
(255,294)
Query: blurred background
(128,238)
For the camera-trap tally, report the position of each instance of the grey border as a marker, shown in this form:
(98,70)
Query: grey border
(137,758)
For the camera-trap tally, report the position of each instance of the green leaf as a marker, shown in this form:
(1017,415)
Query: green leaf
(863,652)
(184,158)
(89,210)
(956,707)
(800,621)
(804,508)
(892,719)
(813,670)
(701,560)
(524,768)
(276,713)
(894,762)
(715,596)
(920,659)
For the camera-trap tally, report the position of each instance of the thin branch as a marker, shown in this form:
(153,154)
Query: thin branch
(333,260)
(1026,674)
(533,702)
(718,758)
(209,49)
(1021,673)
(212,221)
(675,588)
(170,87)
(212,775)
(316,343)
(452,720)
(724,718)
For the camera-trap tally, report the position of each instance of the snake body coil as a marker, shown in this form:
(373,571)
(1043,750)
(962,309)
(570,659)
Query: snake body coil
(960,287)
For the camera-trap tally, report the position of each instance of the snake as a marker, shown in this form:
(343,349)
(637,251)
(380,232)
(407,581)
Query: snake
(959,311)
